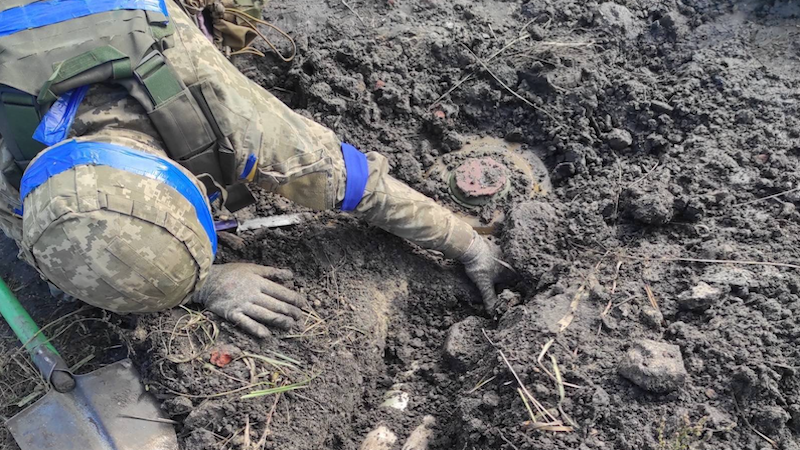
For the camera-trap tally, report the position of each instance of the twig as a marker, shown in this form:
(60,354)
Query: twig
(505,86)
(263,439)
(651,297)
(747,422)
(644,177)
(506,440)
(354,12)
(714,261)
(769,197)
(246,444)
(524,389)
(471,74)
(566,44)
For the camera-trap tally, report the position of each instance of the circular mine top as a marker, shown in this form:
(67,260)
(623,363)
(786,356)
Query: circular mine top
(477,180)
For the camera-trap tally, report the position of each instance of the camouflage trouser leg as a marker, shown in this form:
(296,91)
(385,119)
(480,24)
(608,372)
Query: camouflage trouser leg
(301,159)
(10,223)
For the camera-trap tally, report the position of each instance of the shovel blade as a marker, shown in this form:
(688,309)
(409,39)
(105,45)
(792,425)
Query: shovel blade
(109,409)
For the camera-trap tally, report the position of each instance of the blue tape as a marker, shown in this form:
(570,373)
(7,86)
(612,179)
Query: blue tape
(55,125)
(355,163)
(248,167)
(49,12)
(73,153)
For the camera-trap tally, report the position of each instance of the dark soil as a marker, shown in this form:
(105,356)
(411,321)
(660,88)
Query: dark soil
(662,123)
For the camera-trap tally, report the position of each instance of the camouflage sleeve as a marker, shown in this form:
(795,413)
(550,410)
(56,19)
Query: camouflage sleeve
(300,159)
(10,223)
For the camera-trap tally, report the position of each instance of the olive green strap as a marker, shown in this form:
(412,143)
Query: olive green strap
(83,64)
(158,78)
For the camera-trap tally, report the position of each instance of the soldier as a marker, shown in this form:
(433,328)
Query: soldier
(119,119)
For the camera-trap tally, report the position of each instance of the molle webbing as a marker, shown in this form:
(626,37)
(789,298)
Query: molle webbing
(37,65)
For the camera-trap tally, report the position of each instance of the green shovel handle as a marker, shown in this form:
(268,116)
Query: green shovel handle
(44,355)
(21,323)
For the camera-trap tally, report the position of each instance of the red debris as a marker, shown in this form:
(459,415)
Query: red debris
(221,358)
(380,84)
(439,114)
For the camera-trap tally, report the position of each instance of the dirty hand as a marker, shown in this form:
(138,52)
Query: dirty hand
(483,264)
(248,295)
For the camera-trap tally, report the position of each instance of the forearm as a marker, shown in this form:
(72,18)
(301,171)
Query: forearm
(397,208)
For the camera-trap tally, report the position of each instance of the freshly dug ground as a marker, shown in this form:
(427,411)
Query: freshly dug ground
(671,133)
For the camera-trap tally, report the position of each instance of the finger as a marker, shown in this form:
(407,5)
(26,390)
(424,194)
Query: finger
(283,293)
(274,274)
(268,317)
(249,325)
(279,307)
(486,287)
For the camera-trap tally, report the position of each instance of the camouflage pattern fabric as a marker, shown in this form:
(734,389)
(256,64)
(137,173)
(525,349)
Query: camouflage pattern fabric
(115,239)
(297,158)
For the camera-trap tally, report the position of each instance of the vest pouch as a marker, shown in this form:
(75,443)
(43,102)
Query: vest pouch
(227,161)
(204,162)
(183,127)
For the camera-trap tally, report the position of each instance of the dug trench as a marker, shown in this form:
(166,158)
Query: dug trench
(655,304)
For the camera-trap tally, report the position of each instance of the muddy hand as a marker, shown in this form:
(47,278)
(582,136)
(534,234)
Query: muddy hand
(483,264)
(248,295)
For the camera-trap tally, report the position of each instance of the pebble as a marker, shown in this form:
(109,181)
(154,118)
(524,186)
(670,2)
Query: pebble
(619,139)
(660,107)
(654,366)
(700,297)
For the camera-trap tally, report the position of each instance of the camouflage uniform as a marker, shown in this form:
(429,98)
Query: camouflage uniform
(297,157)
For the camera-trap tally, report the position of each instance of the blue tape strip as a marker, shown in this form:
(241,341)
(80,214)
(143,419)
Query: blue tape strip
(49,12)
(248,166)
(72,153)
(55,125)
(355,163)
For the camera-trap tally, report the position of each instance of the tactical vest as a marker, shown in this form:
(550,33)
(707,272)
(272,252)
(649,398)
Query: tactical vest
(38,63)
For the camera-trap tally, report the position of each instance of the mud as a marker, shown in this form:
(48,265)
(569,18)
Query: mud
(663,125)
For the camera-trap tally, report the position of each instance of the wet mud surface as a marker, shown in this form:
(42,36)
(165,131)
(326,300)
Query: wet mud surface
(667,129)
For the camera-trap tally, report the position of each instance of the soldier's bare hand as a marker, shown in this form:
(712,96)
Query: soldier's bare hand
(249,296)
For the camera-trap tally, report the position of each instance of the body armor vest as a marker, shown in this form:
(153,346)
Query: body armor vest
(39,61)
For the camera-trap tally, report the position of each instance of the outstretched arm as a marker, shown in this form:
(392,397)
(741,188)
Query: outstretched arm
(304,161)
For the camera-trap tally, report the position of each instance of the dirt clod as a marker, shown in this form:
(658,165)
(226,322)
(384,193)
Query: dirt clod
(700,297)
(654,366)
(619,139)
(465,343)
(652,205)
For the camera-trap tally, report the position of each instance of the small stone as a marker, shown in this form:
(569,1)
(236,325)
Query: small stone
(652,317)
(699,298)
(660,107)
(654,366)
(619,139)
(465,344)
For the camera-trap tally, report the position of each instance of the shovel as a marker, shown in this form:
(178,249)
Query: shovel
(107,409)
